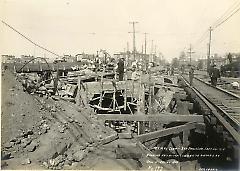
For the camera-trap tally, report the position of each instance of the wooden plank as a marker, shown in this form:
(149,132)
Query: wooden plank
(109,139)
(95,87)
(166,132)
(162,118)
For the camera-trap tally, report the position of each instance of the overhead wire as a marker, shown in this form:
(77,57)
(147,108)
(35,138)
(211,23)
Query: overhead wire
(201,39)
(226,13)
(233,9)
(28,39)
(226,19)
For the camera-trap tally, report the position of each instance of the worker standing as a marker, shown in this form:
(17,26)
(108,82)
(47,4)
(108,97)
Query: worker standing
(191,75)
(214,75)
(120,69)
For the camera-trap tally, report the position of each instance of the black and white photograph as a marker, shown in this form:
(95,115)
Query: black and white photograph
(120,85)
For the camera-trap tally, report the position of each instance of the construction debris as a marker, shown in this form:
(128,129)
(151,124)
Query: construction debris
(69,120)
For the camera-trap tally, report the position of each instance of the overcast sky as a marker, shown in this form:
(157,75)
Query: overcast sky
(65,26)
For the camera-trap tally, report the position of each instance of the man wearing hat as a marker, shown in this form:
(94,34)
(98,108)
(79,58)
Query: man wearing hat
(214,75)
(120,69)
(191,75)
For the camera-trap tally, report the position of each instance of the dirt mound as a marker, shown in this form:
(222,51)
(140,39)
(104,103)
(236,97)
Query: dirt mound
(20,111)
(44,132)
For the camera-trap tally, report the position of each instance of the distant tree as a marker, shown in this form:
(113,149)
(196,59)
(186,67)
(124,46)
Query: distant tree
(182,55)
(215,56)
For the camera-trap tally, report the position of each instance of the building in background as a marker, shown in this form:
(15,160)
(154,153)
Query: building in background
(8,59)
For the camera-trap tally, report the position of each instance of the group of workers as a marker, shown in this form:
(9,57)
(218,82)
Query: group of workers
(213,72)
(137,68)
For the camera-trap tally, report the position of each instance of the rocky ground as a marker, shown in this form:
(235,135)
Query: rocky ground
(40,133)
(49,133)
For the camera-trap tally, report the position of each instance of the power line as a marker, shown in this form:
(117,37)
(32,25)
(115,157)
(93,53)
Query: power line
(230,9)
(201,39)
(226,18)
(28,39)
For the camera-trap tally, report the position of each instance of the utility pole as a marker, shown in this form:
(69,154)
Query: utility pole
(190,53)
(127,61)
(145,44)
(134,45)
(209,48)
(152,51)
(155,52)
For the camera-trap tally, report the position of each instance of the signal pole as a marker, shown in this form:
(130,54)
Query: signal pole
(134,45)
(209,48)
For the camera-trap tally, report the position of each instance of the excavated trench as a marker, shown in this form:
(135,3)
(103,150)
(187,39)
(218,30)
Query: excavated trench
(107,104)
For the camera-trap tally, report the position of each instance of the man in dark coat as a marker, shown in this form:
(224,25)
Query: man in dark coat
(120,69)
(191,75)
(214,75)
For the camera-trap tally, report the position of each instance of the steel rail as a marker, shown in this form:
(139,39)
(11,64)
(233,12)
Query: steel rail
(234,133)
(220,89)
(234,122)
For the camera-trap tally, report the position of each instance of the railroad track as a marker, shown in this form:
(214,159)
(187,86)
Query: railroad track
(223,104)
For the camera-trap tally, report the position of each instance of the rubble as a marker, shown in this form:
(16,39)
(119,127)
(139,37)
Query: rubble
(32,147)
(26,161)
(5,155)
(63,133)
(8,145)
(45,164)
(79,155)
(26,142)
(3,164)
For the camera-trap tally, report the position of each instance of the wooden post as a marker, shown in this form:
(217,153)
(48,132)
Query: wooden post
(78,92)
(141,105)
(150,101)
(132,90)
(14,68)
(185,138)
(101,95)
(125,94)
(56,81)
(114,98)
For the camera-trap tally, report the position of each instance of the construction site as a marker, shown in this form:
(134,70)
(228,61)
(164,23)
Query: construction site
(91,120)
(127,110)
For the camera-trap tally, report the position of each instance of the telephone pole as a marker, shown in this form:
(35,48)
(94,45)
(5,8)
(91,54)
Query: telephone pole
(209,48)
(134,45)
(152,51)
(190,53)
(145,44)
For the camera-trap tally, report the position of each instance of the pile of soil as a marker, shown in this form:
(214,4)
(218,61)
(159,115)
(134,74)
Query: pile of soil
(42,132)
